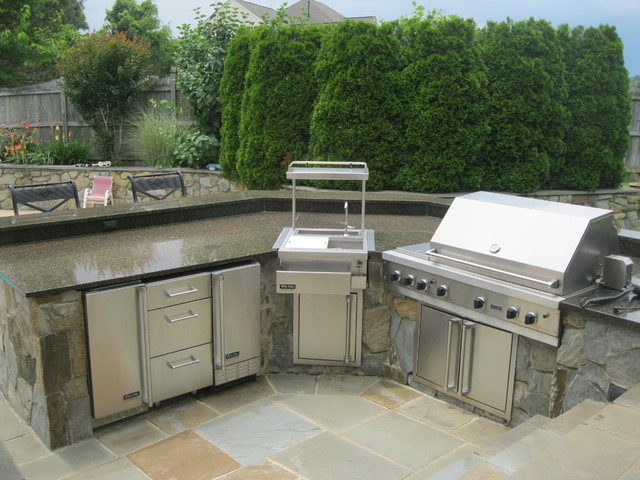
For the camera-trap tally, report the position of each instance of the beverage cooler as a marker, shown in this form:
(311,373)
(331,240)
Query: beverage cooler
(148,342)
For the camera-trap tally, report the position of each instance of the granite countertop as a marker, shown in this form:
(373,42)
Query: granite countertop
(46,267)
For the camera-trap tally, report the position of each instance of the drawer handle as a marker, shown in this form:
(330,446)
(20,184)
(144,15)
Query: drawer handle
(189,362)
(186,292)
(175,318)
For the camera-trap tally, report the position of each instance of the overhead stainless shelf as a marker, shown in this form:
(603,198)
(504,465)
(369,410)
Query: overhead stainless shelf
(300,170)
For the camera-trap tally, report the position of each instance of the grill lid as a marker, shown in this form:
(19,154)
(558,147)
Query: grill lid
(549,246)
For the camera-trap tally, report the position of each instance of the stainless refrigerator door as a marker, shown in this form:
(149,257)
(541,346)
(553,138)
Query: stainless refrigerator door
(236,299)
(114,350)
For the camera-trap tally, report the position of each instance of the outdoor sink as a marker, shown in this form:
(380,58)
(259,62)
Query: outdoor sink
(348,243)
(324,240)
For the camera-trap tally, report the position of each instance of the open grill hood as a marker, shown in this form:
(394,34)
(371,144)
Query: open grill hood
(553,247)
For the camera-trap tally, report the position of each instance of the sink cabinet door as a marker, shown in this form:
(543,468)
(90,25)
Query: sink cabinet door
(327,329)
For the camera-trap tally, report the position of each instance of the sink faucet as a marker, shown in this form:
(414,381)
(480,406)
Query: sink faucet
(346,219)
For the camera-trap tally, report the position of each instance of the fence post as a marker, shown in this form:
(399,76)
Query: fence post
(173,74)
(63,112)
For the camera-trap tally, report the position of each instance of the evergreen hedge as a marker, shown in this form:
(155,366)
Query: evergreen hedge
(597,134)
(357,113)
(443,87)
(526,112)
(277,103)
(431,103)
(232,85)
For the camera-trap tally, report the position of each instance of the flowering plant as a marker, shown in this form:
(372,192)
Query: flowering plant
(16,142)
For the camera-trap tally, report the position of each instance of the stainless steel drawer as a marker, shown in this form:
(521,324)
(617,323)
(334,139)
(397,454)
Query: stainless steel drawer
(179,327)
(330,283)
(181,372)
(180,290)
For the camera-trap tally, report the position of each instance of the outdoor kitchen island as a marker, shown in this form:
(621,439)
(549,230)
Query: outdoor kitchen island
(43,359)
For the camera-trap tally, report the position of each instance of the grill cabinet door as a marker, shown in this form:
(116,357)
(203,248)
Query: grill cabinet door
(437,349)
(485,366)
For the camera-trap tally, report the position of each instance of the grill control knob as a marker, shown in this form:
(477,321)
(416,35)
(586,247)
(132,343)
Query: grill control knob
(442,291)
(479,302)
(395,276)
(408,280)
(512,312)
(422,284)
(530,318)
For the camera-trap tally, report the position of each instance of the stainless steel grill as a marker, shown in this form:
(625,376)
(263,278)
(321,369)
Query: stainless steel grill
(505,260)
(497,267)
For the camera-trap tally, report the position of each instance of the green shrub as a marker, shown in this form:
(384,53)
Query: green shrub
(103,75)
(526,113)
(277,104)
(62,151)
(194,149)
(231,92)
(201,53)
(444,85)
(598,99)
(155,137)
(357,113)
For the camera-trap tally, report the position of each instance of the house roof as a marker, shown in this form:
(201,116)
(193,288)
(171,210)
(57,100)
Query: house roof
(257,10)
(316,12)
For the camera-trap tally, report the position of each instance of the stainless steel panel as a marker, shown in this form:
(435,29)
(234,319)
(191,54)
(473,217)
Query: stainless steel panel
(179,327)
(114,350)
(486,363)
(327,329)
(465,359)
(181,290)
(181,372)
(434,356)
(330,283)
(534,238)
(237,315)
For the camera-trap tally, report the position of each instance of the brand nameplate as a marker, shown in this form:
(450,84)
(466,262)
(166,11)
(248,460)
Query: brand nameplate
(232,354)
(287,286)
(129,396)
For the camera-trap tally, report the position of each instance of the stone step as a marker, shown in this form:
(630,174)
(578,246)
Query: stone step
(478,458)
(512,455)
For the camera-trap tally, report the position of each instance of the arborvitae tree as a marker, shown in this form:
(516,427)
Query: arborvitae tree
(232,85)
(444,99)
(278,99)
(527,93)
(356,116)
(598,133)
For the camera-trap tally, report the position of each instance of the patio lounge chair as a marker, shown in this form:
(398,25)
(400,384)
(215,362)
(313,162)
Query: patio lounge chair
(31,195)
(157,185)
(100,193)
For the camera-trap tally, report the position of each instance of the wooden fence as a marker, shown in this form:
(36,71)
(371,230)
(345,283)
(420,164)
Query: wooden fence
(45,105)
(633,154)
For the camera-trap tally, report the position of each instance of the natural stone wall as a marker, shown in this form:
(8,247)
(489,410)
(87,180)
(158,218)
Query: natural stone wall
(624,203)
(43,364)
(197,182)
(594,354)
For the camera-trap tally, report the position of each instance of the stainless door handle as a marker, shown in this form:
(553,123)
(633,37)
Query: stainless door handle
(552,283)
(185,292)
(188,362)
(175,318)
(143,324)
(466,354)
(218,298)
(448,386)
(347,353)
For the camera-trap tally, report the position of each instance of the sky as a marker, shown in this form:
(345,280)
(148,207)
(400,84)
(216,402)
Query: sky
(623,14)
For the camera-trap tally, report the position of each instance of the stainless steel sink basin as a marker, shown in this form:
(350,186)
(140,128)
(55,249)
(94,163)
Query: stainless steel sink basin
(346,243)
(324,240)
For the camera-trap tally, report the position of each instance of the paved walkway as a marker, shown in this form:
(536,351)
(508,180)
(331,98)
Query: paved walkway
(283,427)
